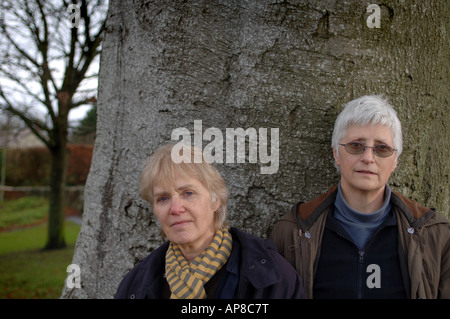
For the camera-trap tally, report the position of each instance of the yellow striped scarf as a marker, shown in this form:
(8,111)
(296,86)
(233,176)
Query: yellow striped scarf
(185,279)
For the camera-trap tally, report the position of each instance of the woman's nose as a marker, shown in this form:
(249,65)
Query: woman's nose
(368,155)
(176,206)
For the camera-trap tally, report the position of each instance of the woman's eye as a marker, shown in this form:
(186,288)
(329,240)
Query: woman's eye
(163,199)
(188,193)
(356,145)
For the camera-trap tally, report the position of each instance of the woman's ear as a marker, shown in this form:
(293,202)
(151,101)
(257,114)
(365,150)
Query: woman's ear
(395,165)
(336,157)
(215,203)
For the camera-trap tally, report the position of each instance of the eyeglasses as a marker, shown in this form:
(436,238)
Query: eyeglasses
(381,150)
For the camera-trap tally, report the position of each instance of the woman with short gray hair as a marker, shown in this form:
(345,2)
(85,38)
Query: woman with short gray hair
(361,239)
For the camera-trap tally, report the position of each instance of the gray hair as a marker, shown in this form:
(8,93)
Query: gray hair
(369,109)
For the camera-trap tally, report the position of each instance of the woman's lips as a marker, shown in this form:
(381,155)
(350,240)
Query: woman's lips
(180,223)
(366,172)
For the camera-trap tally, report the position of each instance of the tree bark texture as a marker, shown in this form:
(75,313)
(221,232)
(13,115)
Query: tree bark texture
(290,65)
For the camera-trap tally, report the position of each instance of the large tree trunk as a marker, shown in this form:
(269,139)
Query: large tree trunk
(255,64)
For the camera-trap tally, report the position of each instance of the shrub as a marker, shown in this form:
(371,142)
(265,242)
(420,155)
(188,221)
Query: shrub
(31,166)
(78,164)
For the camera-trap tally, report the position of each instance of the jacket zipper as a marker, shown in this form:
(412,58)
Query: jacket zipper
(361,253)
(360,274)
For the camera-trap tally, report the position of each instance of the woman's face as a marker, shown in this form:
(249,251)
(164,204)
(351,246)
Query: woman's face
(186,212)
(366,172)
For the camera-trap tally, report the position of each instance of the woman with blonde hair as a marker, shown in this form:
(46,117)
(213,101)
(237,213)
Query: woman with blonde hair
(202,258)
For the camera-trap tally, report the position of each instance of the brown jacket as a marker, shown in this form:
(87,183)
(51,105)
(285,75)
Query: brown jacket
(424,235)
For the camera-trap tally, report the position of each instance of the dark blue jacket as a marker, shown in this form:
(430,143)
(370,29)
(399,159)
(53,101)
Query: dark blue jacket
(254,270)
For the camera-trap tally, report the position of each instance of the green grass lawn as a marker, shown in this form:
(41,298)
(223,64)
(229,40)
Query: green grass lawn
(26,271)
(23,211)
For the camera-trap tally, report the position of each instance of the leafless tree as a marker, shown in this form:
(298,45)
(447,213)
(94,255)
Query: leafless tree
(49,49)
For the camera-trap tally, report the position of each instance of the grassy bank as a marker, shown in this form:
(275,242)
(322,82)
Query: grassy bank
(23,212)
(26,270)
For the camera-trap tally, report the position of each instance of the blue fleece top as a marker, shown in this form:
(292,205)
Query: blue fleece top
(360,226)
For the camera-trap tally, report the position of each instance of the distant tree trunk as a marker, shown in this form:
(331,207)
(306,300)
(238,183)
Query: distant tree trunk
(55,238)
(255,64)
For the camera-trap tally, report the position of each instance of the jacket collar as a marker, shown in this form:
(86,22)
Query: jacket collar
(256,264)
(307,213)
(416,214)
(155,271)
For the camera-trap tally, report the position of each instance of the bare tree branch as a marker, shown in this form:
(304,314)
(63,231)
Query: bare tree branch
(36,126)
(35,16)
(89,100)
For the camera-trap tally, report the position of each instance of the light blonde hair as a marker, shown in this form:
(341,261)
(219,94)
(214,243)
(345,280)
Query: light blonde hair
(160,169)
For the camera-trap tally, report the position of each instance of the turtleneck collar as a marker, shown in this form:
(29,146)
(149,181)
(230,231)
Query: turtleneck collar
(360,226)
